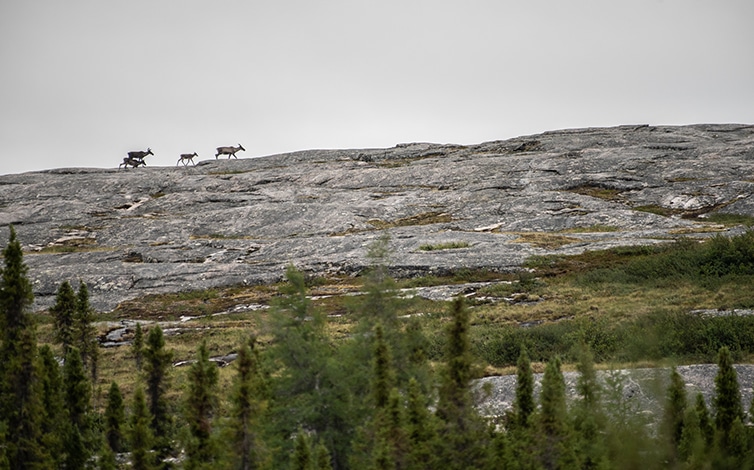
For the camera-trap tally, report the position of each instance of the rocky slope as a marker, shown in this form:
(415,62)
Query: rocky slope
(132,232)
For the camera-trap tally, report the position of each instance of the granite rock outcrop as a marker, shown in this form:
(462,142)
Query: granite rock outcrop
(131,232)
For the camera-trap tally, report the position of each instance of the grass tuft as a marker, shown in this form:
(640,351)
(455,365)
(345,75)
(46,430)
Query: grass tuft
(444,246)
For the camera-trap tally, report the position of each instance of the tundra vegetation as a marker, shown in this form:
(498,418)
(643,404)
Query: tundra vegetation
(383,380)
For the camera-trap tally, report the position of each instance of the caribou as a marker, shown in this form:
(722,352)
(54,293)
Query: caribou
(229,151)
(187,157)
(140,154)
(136,158)
(134,162)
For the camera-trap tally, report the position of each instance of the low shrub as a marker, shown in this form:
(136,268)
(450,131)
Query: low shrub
(682,337)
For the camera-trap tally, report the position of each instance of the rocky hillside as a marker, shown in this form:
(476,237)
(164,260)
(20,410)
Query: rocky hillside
(132,232)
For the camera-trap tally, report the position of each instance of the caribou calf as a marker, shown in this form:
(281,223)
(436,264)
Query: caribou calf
(229,151)
(134,162)
(187,157)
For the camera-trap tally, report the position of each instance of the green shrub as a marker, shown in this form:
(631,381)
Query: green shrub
(704,263)
(680,336)
(730,219)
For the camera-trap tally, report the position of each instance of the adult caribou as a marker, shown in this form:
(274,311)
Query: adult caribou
(229,151)
(136,158)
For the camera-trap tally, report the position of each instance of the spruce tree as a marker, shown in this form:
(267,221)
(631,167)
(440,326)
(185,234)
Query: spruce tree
(140,437)
(462,432)
(674,412)
(137,346)
(309,388)
(387,427)
(115,418)
(379,302)
(85,333)
(53,405)
(107,459)
(200,409)
(727,400)
(524,404)
(383,379)
(521,449)
(322,459)
(705,421)
(157,361)
(301,458)
(20,389)
(63,312)
(691,447)
(454,393)
(15,290)
(77,394)
(589,418)
(557,450)
(421,430)
(249,402)
(4,462)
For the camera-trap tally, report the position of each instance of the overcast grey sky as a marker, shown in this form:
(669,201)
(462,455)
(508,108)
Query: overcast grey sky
(83,82)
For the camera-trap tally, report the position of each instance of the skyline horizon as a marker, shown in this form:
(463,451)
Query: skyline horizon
(84,82)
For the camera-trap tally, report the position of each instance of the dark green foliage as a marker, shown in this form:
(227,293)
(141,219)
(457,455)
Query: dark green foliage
(200,409)
(322,458)
(727,401)
(421,430)
(107,459)
(85,333)
(310,387)
(703,263)
(115,419)
(77,396)
(156,364)
(249,402)
(309,401)
(706,425)
(674,414)
(15,290)
(53,405)
(379,305)
(73,324)
(137,346)
(140,437)
(77,389)
(301,458)
(20,388)
(63,311)
(390,444)
(589,420)
(454,393)
(626,437)
(462,431)
(383,378)
(524,406)
(386,429)
(650,337)
(691,446)
(4,462)
(555,436)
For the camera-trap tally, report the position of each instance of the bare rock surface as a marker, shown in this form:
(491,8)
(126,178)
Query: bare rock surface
(639,390)
(132,232)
